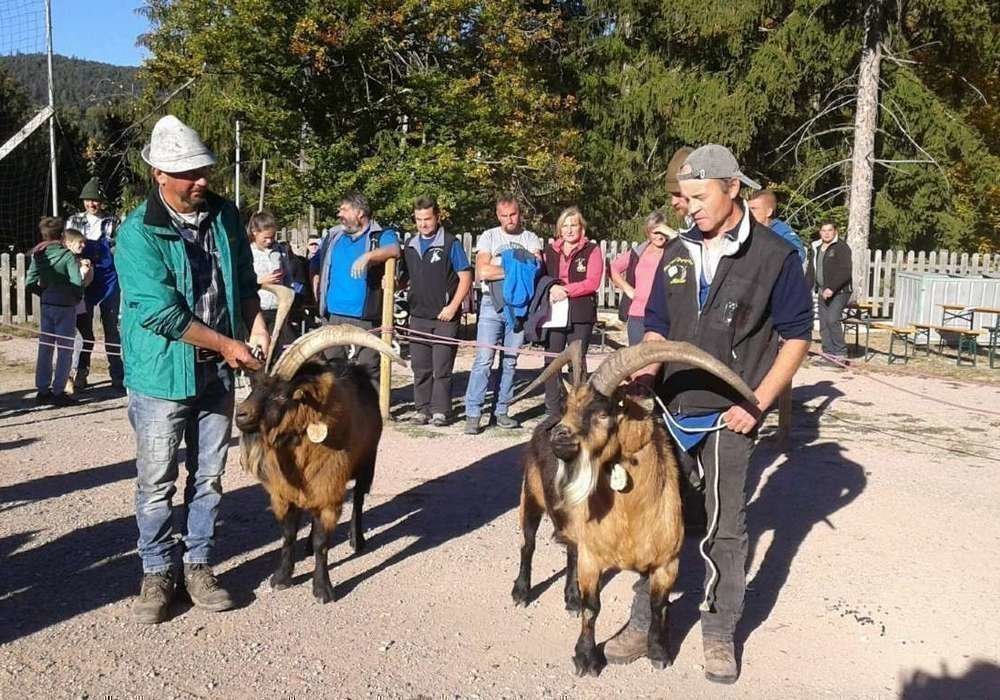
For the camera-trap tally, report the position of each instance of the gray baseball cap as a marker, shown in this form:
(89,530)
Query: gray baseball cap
(714,162)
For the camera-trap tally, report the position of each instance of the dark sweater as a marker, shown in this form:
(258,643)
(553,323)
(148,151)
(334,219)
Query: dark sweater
(837,267)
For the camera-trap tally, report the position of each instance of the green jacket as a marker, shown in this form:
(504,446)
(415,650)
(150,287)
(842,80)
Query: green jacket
(158,293)
(54,274)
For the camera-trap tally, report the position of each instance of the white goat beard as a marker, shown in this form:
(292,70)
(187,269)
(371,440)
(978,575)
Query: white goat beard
(583,483)
(252,454)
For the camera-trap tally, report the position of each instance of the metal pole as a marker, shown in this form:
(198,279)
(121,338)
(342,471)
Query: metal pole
(52,105)
(263,180)
(237,163)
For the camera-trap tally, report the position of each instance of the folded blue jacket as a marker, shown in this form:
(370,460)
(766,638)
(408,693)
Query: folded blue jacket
(520,269)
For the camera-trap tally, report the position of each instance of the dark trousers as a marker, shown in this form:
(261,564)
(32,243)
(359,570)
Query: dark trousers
(367,358)
(727,546)
(635,328)
(112,338)
(831,330)
(432,366)
(557,342)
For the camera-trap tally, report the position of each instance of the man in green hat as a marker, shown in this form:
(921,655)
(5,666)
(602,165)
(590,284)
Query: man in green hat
(98,227)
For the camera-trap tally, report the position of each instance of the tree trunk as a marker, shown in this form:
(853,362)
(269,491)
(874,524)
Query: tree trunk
(865,123)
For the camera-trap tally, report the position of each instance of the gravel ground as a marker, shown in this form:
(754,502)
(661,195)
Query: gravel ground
(873,532)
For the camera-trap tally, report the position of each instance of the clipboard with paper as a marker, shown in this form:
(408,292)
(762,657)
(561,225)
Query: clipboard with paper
(558,314)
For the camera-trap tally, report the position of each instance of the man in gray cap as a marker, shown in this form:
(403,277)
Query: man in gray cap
(735,289)
(188,285)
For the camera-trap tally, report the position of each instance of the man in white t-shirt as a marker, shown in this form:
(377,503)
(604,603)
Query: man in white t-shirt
(494,327)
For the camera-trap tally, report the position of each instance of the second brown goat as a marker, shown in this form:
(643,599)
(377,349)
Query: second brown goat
(607,476)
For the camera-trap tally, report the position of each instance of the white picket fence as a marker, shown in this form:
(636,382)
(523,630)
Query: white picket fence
(17,306)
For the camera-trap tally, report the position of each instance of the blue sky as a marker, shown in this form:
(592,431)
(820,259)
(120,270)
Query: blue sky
(98,30)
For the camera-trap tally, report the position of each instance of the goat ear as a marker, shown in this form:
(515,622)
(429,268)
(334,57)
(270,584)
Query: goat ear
(298,394)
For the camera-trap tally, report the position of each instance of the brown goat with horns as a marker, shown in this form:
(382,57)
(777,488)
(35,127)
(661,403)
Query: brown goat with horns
(607,476)
(308,429)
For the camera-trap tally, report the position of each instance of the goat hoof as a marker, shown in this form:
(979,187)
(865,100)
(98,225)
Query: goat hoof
(573,604)
(323,593)
(660,663)
(520,594)
(587,664)
(279,582)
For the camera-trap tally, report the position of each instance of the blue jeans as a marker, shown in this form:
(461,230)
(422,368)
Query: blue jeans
(57,330)
(492,329)
(204,422)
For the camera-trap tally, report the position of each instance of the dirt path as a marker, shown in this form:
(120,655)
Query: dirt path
(874,537)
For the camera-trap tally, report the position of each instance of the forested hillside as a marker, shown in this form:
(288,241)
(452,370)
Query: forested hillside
(79,84)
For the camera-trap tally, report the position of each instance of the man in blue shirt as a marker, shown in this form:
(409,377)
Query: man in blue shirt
(762,205)
(347,274)
(440,279)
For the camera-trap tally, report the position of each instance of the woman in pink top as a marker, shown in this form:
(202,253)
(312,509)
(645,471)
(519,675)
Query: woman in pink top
(578,265)
(633,272)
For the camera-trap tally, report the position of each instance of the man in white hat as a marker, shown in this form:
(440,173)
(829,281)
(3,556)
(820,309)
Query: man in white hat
(735,289)
(188,285)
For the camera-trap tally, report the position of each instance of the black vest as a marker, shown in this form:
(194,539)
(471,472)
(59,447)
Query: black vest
(625,303)
(735,324)
(433,280)
(581,309)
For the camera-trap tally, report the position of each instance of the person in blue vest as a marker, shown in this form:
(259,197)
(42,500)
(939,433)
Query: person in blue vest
(98,228)
(763,204)
(440,280)
(347,274)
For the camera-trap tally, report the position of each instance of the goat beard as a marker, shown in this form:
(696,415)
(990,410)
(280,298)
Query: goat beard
(252,455)
(583,483)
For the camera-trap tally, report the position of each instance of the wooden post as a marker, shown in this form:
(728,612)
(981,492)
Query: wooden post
(5,282)
(385,364)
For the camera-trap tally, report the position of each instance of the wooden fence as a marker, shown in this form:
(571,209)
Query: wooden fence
(17,306)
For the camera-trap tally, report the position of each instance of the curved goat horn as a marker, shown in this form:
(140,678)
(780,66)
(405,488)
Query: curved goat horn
(286,297)
(625,361)
(315,342)
(572,354)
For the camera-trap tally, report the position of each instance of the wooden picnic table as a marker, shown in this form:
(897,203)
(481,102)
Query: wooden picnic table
(859,310)
(961,312)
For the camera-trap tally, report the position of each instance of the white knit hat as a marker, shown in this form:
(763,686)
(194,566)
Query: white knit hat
(175,147)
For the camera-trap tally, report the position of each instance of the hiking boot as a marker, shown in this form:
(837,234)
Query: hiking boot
(419,419)
(505,421)
(629,644)
(720,661)
(204,589)
(439,420)
(157,591)
(43,397)
(64,400)
(472,425)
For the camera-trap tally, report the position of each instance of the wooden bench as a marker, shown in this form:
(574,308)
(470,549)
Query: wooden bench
(968,339)
(902,333)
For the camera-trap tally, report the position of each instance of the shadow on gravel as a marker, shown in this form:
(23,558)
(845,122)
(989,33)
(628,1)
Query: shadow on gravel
(432,513)
(815,481)
(15,444)
(97,565)
(57,485)
(981,681)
